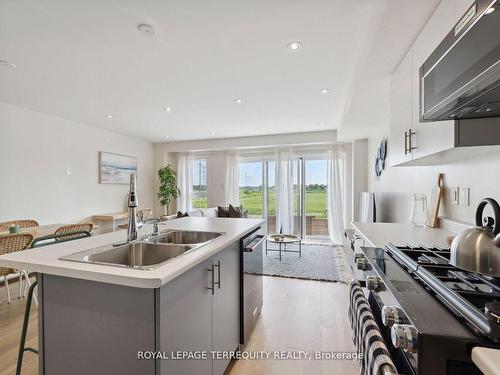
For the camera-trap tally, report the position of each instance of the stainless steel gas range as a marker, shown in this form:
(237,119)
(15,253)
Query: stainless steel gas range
(430,313)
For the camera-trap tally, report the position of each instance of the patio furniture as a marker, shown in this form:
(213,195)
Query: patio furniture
(282,240)
(9,244)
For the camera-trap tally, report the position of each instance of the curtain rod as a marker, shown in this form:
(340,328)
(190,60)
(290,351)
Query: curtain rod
(268,147)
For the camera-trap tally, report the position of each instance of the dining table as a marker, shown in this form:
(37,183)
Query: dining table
(48,229)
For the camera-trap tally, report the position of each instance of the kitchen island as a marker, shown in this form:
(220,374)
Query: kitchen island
(101,319)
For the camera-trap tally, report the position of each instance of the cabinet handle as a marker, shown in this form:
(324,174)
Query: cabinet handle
(212,282)
(406,143)
(218,274)
(410,146)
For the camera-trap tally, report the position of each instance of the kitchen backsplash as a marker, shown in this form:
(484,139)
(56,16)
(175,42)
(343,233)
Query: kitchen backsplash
(394,187)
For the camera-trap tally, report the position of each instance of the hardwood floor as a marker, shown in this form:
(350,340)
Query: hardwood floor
(297,315)
(301,315)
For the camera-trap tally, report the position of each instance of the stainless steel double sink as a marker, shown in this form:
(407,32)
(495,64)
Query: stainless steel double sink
(148,252)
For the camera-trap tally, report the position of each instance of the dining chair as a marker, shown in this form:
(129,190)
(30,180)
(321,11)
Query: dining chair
(10,244)
(74,231)
(4,226)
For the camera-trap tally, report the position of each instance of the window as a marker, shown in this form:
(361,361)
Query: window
(200,192)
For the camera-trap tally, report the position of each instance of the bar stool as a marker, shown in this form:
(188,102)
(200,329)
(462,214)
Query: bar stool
(63,236)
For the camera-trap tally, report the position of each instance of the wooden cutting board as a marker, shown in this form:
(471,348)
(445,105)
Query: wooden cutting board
(435,201)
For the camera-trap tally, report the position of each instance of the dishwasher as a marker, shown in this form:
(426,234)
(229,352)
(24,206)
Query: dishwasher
(251,282)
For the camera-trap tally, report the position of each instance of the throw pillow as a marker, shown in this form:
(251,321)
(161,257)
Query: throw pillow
(236,212)
(180,214)
(223,211)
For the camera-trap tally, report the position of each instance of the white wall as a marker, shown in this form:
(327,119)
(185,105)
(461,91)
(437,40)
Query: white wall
(36,149)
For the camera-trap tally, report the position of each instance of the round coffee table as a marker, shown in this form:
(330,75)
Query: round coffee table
(282,240)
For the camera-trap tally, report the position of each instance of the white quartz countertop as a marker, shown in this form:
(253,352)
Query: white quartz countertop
(380,234)
(46,259)
(487,360)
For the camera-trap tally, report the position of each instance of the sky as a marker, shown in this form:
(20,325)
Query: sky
(251,173)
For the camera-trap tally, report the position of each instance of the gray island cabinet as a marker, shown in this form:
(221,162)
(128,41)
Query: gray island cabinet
(89,327)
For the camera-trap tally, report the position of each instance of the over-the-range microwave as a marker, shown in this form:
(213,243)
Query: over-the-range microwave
(461,78)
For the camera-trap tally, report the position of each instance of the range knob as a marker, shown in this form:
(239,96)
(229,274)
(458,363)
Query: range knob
(404,336)
(373,283)
(358,256)
(393,315)
(362,263)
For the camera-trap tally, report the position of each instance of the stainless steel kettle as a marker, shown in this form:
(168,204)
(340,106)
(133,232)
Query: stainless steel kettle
(478,249)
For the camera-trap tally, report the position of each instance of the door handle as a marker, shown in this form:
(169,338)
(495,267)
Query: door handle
(212,282)
(218,274)
(259,239)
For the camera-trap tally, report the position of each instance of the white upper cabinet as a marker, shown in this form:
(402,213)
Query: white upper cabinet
(401,112)
(430,142)
(431,137)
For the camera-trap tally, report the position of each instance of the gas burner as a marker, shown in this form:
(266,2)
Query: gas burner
(466,294)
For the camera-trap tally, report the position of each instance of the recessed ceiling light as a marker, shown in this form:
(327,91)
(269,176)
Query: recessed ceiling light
(238,101)
(213,133)
(322,124)
(167,136)
(294,46)
(490,10)
(109,116)
(7,64)
(264,129)
(167,109)
(325,91)
(146,29)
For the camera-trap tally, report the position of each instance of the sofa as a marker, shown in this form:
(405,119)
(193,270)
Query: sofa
(202,212)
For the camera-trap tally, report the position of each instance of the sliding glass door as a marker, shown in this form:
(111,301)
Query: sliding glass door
(315,197)
(257,188)
(252,188)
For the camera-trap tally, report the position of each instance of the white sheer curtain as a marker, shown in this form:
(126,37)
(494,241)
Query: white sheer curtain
(232,179)
(335,193)
(284,191)
(184,182)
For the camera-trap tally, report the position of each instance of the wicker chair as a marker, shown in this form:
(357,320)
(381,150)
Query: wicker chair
(22,224)
(10,244)
(84,227)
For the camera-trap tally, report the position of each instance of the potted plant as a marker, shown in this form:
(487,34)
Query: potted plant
(168,186)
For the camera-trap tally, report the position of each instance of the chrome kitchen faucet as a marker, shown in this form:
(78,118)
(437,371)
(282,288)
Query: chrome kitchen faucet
(132,206)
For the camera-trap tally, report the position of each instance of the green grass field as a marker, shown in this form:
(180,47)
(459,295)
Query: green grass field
(316,202)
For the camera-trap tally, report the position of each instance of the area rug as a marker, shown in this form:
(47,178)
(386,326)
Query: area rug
(318,262)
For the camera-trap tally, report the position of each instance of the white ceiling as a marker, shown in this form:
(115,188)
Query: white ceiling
(84,59)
